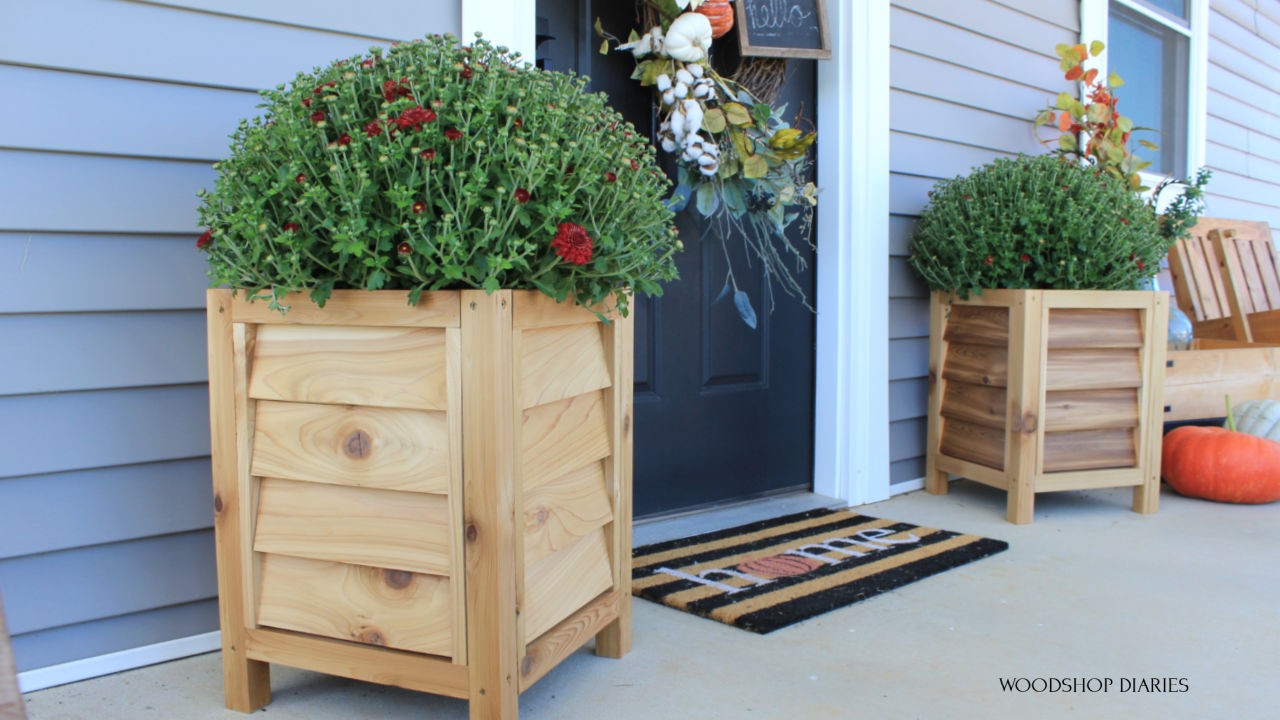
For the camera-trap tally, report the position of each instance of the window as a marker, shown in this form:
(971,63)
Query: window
(1158,48)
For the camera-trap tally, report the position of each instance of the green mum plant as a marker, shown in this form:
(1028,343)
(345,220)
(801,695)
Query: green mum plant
(1037,222)
(433,165)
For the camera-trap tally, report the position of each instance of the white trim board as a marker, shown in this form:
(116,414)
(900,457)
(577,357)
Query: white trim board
(851,397)
(115,662)
(512,23)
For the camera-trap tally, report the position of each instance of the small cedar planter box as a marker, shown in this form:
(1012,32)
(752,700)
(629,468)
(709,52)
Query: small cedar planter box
(1043,390)
(435,497)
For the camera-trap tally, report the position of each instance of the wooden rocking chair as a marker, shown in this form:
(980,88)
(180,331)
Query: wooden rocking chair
(1226,276)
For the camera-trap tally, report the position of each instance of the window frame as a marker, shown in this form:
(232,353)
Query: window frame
(1095,24)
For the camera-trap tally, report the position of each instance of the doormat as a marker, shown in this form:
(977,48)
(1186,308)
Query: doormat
(771,574)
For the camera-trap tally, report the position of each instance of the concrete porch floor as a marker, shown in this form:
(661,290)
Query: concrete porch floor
(1090,590)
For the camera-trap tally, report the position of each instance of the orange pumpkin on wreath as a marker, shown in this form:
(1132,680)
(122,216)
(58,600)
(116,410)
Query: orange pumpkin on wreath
(720,13)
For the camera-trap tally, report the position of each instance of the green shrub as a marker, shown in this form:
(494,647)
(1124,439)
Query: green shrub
(433,166)
(1035,222)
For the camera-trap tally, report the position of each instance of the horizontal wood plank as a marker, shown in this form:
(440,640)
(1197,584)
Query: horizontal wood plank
(973,443)
(1093,369)
(565,638)
(976,325)
(1090,409)
(377,665)
(365,447)
(1089,450)
(560,511)
(978,404)
(353,307)
(374,606)
(1094,328)
(977,364)
(374,366)
(560,584)
(561,437)
(360,526)
(533,309)
(561,362)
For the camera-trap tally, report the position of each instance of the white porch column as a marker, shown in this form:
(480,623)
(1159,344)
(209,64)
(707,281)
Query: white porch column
(851,399)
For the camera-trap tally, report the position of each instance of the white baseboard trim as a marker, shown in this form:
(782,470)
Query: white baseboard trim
(115,662)
(906,487)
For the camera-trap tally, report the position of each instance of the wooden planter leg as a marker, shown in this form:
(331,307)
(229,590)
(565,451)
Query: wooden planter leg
(489,505)
(935,480)
(247,682)
(1028,323)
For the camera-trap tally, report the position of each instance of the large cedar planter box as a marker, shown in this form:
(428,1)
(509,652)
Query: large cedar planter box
(435,497)
(1043,390)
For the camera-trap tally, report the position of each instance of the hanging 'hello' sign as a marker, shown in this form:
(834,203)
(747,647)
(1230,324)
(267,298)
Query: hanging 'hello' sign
(783,28)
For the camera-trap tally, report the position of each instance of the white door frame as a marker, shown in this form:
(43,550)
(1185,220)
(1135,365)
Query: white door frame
(851,394)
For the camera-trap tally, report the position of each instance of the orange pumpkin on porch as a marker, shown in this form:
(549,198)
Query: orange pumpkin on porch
(720,13)
(1219,464)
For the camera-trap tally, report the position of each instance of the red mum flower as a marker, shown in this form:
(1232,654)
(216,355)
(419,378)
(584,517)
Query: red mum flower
(466,73)
(572,243)
(429,154)
(290,227)
(635,165)
(404,248)
(344,140)
(1124,220)
(1024,258)
(453,133)
(205,239)
(390,89)
(518,122)
(301,178)
(373,129)
(521,195)
(990,260)
(610,177)
(317,116)
(414,118)
(367,63)
(419,208)
(568,170)
(306,102)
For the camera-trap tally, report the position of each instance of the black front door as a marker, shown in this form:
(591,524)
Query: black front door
(723,411)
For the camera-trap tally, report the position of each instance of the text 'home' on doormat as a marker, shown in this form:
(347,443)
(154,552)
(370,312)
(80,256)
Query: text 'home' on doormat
(770,574)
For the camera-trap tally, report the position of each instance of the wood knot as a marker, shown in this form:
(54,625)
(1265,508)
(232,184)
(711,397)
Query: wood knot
(1029,422)
(372,636)
(472,532)
(626,424)
(358,445)
(217,503)
(397,579)
(526,665)
(986,380)
(540,517)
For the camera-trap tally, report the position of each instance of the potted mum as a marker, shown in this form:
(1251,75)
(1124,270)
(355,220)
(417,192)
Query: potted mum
(1046,366)
(421,439)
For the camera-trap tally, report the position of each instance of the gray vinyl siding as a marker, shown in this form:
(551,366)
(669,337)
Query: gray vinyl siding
(1243,127)
(114,112)
(965,77)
